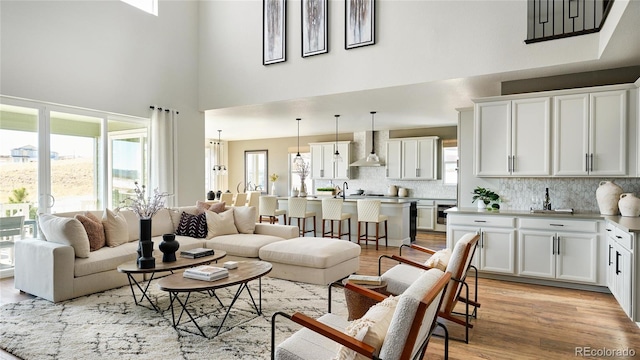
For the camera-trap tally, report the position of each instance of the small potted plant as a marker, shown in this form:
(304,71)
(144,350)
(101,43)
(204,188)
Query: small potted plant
(486,198)
(325,191)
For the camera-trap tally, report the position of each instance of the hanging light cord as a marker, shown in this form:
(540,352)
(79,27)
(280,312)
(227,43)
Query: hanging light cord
(337,152)
(373,140)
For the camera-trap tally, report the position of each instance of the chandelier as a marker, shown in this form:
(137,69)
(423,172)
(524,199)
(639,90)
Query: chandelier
(219,169)
(372,157)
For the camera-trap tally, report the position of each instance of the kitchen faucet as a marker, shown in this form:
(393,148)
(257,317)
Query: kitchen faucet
(345,186)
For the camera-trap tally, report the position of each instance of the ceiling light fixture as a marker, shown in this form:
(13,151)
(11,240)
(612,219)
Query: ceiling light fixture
(336,155)
(219,169)
(298,161)
(372,157)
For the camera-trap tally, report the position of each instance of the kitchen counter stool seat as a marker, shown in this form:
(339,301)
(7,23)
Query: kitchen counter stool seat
(332,211)
(369,212)
(298,211)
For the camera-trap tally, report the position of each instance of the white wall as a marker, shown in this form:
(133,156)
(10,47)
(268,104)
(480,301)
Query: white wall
(417,41)
(109,56)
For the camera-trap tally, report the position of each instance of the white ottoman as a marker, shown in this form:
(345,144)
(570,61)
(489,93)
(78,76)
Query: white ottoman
(312,259)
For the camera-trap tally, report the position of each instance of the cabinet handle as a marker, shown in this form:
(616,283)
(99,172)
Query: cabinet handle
(618,263)
(608,230)
(417,172)
(558,242)
(508,163)
(480,221)
(387,172)
(553,247)
(556,225)
(591,162)
(610,247)
(482,239)
(619,237)
(513,163)
(586,162)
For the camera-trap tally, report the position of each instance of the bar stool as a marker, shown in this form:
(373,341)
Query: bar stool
(267,209)
(332,211)
(369,212)
(253,199)
(227,198)
(298,210)
(240,199)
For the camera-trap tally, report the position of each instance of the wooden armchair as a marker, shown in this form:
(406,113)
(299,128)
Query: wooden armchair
(401,276)
(412,322)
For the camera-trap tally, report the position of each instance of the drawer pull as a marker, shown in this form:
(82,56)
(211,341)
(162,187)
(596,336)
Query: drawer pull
(556,224)
(480,221)
(608,229)
(619,237)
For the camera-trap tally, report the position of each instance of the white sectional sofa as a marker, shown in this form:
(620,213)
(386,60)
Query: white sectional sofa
(51,269)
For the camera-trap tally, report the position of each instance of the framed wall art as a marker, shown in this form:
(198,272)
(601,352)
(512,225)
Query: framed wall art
(274,13)
(314,27)
(359,23)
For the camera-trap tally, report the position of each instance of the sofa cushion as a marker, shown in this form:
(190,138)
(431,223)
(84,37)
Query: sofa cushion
(133,224)
(245,218)
(161,223)
(67,231)
(218,207)
(106,259)
(116,229)
(244,245)
(192,225)
(95,231)
(220,224)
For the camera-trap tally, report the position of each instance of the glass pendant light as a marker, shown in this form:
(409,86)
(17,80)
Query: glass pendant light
(336,155)
(372,157)
(298,161)
(219,169)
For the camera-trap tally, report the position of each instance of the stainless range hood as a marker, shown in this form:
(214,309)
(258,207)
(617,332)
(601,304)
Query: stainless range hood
(367,146)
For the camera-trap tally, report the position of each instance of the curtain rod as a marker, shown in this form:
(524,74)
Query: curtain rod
(166,109)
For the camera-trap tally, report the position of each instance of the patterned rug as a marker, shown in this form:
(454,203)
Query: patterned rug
(110,325)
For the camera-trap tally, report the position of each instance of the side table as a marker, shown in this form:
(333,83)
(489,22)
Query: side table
(358,305)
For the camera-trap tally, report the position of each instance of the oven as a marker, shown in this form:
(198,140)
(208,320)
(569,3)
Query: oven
(441,215)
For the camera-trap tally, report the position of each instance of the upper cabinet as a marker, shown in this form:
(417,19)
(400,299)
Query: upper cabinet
(412,158)
(513,137)
(590,134)
(322,164)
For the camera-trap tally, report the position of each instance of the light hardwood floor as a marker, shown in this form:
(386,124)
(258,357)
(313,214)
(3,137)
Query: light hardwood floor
(515,321)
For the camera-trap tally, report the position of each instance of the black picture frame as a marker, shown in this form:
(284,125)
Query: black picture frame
(314,27)
(274,31)
(360,25)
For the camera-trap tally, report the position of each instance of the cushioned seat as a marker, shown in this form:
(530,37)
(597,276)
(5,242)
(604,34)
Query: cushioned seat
(311,259)
(243,245)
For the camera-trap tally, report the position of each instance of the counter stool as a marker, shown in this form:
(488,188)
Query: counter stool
(369,212)
(227,198)
(267,209)
(332,211)
(298,210)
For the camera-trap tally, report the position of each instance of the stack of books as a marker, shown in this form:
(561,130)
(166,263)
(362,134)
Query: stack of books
(196,253)
(206,273)
(365,279)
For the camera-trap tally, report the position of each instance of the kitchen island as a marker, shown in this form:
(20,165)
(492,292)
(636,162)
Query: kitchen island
(401,212)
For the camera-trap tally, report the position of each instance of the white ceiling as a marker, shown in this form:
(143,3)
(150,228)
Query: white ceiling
(402,107)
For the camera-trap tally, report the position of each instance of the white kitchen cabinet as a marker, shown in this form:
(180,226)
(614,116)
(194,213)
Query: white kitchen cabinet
(496,247)
(393,165)
(590,134)
(620,268)
(426,219)
(513,137)
(558,249)
(322,164)
(412,158)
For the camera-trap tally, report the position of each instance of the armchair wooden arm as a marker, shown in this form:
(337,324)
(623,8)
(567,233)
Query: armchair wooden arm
(418,248)
(401,260)
(373,295)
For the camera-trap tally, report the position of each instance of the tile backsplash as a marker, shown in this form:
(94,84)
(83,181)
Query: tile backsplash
(576,193)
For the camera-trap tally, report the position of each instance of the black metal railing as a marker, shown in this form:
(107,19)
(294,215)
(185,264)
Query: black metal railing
(555,19)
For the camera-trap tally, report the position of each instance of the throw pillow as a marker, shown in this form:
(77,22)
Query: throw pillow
(67,231)
(220,224)
(94,228)
(245,218)
(116,229)
(202,206)
(439,260)
(374,325)
(194,226)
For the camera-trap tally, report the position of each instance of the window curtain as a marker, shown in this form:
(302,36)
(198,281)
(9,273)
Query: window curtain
(163,153)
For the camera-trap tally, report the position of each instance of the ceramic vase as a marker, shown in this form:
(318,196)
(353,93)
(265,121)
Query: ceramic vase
(481,204)
(273,189)
(145,246)
(608,195)
(629,205)
(403,192)
(169,246)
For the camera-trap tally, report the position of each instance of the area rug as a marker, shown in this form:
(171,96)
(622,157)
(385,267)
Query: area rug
(110,325)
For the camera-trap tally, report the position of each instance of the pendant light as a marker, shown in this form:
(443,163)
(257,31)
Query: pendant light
(372,157)
(336,155)
(298,161)
(219,169)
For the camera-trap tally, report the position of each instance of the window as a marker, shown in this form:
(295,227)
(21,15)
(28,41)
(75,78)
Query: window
(150,6)
(449,165)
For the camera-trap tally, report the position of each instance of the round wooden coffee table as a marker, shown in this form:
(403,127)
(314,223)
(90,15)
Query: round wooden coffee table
(131,267)
(243,274)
